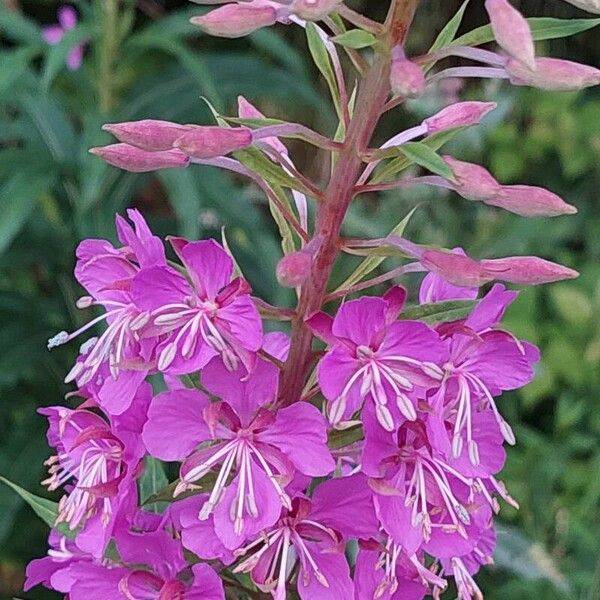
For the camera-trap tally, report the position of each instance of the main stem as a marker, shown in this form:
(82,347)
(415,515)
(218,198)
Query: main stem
(373,93)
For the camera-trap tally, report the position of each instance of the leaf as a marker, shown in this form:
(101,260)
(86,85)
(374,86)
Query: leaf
(19,28)
(153,480)
(340,438)
(449,32)
(45,509)
(321,58)
(184,197)
(439,312)
(355,38)
(542,28)
(19,197)
(426,157)
(370,263)
(165,494)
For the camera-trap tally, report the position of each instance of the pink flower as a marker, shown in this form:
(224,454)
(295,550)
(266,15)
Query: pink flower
(262,446)
(373,356)
(53,34)
(210,315)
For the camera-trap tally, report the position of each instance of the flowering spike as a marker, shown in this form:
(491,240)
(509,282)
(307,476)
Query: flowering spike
(211,142)
(236,20)
(136,160)
(512,31)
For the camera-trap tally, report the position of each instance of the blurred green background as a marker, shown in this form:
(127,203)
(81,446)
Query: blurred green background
(143,59)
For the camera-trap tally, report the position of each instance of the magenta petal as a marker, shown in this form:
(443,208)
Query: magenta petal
(209,266)
(93,582)
(75,57)
(52,34)
(67,17)
(321,324)
(360,320)
(396,520)
(346,505)
(491,308)
(334,567)
(300,432)
(240,320)
(413,339)
(156,286)
(335,370)
(207,584)
(147,248)
(176,424)
(267,501)
(116,395)
(40,570)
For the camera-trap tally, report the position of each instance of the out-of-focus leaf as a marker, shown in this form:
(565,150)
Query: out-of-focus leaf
(19,28)
(542,28)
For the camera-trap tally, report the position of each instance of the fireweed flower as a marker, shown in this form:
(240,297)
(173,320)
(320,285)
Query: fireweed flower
(374,356)
(118,360)
(53,34)
(311,532)
(239,434)
(98,463)
(210,315)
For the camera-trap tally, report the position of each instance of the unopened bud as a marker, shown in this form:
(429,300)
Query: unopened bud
(235,20)
(457,269)
(512,31)
(313,10)
(210,142)
(407,78)
(461,114)
(293,270)
(474,182)
(148,134)
(553,74)
(527,270)
(136,160)
(529,201)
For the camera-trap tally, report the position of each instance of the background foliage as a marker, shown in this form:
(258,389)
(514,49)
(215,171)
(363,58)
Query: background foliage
(143,59)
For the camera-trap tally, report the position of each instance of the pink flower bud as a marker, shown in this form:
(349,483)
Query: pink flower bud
(527,270)
(246,110)
(457,269)
(293,270)
(529,201)
(313,10)
(406,78)
(235,20)
(553,74)
(461,114)
(511,31)
(474,182)
(210,142)
(149,134)
(137,160)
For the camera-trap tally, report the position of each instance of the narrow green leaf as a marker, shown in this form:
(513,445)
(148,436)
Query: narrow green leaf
(45,509)
(153,480)
(344,437)
(372,261)
(449,32)
(426,157)
(439,312)
(542,28)
(255,122)
(165,494)
(355,38)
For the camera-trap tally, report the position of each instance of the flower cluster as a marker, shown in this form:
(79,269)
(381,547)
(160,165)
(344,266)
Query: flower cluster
(362,466)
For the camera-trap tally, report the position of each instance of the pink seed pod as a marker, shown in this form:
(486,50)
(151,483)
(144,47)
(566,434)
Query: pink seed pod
(313,10)
(527,270)
(553,74)
(136,160)
(293,270)
(511,31)
(461,114)
(212,141)
(474,182)
(406,78)
(149,134)
(529,201)
(235,20)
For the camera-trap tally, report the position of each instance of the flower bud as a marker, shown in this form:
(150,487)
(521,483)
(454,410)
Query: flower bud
(137,160)
(592,6)
(293,270)
(474,182)
(511,31)
(246,110)
(235,20)
(148,134)
(458,269)
(529,201)
(527,270)
(313,10)
(461,114)
(553,74)
(406,78)
(210,142)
